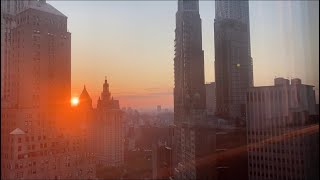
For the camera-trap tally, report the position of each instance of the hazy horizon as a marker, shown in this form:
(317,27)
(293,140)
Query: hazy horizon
(132,43)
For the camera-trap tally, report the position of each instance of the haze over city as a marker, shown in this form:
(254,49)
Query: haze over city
(132,44)
(170,90)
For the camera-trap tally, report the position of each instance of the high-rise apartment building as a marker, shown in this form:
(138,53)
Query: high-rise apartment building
(283,140)
(37,58)
(211,98)
(233,62)
(191,139)
(37,143)
(107,131)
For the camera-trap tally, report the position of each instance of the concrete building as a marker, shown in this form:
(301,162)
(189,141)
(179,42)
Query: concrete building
(108,131)
(211,98)
(39,137)
(30,156)
(37,58)
(283,142)
(233,62)
(191,139)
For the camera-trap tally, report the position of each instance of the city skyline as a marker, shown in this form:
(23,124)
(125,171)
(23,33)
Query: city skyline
(157,88)
(88,88)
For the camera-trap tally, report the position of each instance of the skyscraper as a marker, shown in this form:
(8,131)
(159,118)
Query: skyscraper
(107,131)
(37,58)
(35,104)
(191,140)
(233,62)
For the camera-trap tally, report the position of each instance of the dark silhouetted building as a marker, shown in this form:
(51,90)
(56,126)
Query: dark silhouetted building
(192,143)
(161,161)
(233,63)
(231,153)
(211,98)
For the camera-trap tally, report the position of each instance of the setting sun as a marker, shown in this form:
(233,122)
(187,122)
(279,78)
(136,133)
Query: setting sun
(74,101)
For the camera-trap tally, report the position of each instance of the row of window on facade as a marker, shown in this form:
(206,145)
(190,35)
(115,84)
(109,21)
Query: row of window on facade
(274,151)
(29,138)
(274,175)
(263,159)
(37,21)
(273,95)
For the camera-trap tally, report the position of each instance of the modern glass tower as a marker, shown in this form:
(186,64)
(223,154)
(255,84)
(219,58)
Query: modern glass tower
(233,62)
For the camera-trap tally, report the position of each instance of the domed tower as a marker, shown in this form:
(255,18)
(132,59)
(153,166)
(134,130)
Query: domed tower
(85,100)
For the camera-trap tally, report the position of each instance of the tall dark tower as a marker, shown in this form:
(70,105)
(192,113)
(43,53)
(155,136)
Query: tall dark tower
(189,93)
(233,62)
(189,90)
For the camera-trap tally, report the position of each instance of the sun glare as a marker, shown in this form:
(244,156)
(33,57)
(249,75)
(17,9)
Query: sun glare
(74,101)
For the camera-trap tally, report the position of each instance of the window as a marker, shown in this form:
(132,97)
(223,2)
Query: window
(19,175)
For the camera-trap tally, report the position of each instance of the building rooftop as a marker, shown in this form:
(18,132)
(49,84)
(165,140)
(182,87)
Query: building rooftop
(45,7)
(17,131)
(84,94)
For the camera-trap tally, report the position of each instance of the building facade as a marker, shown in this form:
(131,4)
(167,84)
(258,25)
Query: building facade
(37,58)
(107,130)
(211,98)
(233,62)
(283,141)
(39,137)
(191,138)
(231,154)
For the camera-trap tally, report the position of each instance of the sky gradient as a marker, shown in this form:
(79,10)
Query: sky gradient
(132,43)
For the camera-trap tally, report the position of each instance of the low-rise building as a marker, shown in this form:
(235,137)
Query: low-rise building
(283,142)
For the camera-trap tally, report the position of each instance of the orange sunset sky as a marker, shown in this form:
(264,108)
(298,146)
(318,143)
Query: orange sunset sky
(132,43)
